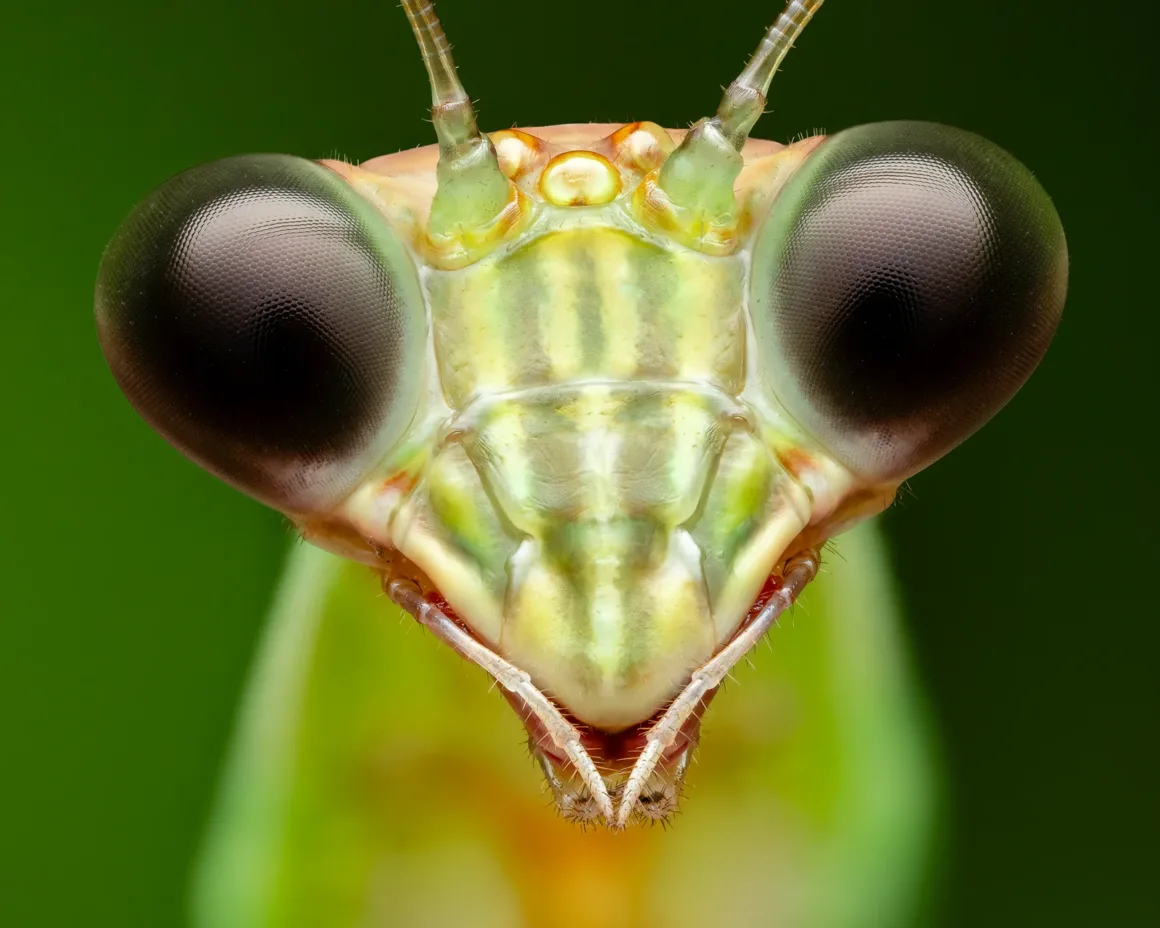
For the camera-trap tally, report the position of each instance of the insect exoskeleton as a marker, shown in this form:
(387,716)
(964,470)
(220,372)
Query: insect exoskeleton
(590,398)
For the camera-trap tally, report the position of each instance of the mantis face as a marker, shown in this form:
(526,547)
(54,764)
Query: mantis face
(589,398)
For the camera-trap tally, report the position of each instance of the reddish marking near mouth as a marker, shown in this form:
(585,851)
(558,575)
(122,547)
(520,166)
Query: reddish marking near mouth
(772,584)
(612,751)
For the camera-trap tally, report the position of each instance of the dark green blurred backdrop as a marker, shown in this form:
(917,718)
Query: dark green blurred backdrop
(134,584)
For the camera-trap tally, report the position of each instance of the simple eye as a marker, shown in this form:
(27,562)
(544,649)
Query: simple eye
(267,321)
(908,279)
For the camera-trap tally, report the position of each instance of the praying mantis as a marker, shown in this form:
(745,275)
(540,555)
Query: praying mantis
(588,402)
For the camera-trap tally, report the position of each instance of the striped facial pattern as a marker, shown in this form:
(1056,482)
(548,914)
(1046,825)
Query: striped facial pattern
(588,303)
(600,507)
(605,537)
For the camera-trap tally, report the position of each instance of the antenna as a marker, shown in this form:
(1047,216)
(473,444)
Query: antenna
(744,99)
(450,106)
(473,190)
(697,179)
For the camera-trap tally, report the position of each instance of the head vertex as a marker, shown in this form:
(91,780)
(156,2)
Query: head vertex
(475,204)
(695,186)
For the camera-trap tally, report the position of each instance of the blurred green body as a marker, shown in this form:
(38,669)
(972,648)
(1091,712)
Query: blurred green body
(374,783)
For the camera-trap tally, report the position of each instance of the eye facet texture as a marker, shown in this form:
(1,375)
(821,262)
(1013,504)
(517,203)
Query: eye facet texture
(906,283)
(265,320)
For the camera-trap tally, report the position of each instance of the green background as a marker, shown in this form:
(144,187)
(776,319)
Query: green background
(134,584)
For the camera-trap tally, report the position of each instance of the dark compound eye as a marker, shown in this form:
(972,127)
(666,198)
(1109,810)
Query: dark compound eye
(266,320)
(907,281)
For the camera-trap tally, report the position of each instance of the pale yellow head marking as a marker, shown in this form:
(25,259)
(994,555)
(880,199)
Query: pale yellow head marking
(579,178)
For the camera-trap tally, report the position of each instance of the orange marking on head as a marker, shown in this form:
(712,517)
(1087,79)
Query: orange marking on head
(795,461)
(518,152)
(640,146)
(401,482)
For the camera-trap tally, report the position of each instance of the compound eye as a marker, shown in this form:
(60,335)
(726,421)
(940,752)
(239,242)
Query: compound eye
(906,282)
(266,320)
